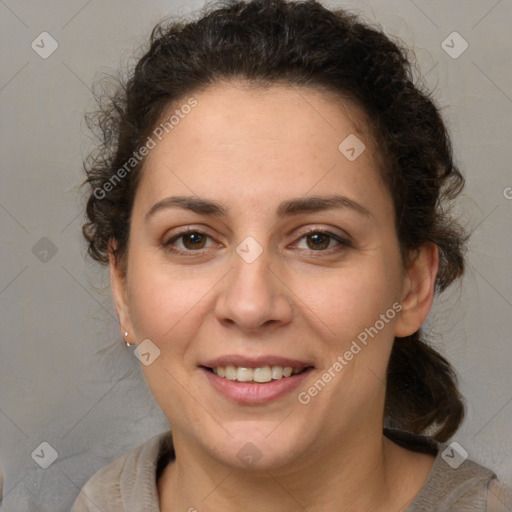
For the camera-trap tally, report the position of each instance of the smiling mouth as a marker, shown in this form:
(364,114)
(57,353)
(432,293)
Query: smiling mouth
(261,374)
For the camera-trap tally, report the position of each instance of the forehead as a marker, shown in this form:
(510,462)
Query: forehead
(240,138)
(237,110)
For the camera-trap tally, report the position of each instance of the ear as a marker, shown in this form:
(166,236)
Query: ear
(118,286)
(418,290)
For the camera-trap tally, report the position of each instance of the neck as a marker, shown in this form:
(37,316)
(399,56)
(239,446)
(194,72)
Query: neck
(320,479)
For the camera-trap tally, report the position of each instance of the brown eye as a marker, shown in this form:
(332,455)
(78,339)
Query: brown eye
(318,241)
(187,242)
(193,240)
(322,242)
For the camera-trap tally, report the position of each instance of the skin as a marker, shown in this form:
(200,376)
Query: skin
(251,149)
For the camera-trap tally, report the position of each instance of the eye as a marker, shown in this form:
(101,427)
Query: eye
(322,241)
(187,241)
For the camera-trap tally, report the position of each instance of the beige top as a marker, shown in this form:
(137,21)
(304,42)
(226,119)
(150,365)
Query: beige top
(129,483)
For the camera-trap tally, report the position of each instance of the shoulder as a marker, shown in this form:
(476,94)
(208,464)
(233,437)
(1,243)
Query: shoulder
(499,497)
(467,487)
(455,482)
(130,478)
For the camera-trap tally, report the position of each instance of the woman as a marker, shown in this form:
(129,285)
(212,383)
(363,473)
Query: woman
(272,197)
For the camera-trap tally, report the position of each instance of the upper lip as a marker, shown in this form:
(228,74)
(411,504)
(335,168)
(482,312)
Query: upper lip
(255,362)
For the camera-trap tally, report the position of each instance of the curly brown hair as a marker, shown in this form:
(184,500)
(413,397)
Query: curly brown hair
(301,43)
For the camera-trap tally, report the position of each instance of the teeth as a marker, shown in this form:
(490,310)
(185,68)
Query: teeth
(277,372)
(230,372)
(244,374)
(261,374)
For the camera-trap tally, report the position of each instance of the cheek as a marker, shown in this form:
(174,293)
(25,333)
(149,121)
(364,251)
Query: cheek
(169,311)
(354,317)
(162,304)
(345,303)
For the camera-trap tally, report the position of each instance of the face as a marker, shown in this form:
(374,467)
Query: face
(255,243)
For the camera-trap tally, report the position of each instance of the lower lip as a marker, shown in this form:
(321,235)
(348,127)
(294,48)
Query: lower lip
(254,392)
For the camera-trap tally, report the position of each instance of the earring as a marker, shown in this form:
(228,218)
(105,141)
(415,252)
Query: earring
(125,335)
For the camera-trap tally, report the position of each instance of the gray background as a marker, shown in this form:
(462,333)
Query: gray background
(66,377)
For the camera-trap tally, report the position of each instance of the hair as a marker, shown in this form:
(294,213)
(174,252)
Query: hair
(301,43)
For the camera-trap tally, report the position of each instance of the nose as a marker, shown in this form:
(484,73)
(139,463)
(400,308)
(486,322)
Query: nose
(253,297)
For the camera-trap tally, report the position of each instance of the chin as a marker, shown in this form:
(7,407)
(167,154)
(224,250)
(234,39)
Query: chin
(260,445)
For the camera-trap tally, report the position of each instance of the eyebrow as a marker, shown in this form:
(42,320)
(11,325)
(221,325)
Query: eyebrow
(285,209)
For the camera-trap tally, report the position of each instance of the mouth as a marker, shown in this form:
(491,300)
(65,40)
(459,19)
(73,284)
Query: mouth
(255,381)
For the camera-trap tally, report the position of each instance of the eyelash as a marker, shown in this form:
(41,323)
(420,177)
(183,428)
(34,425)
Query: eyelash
(342,242)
